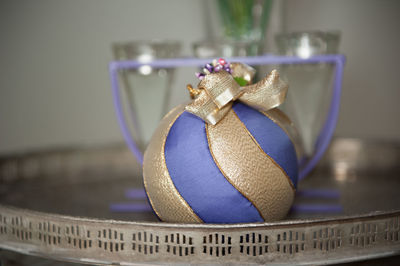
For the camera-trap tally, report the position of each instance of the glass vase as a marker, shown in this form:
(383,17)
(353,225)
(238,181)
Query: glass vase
(310,85)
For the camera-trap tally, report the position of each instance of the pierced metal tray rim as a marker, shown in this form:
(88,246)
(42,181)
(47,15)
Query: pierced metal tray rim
(271,225)
(315,241)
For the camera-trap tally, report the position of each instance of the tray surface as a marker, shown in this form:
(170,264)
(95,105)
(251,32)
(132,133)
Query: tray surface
(347,210)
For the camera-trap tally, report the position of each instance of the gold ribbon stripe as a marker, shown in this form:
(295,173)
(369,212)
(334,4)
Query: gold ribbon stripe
(165,199)
(283,121)
(252,172)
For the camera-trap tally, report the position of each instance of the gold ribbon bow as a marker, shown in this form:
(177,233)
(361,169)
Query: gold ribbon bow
(216,92)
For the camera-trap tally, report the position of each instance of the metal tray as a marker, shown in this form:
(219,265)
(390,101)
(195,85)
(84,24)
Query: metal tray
(347,210)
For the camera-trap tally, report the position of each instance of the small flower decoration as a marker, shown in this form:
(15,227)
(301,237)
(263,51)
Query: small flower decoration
(215,66)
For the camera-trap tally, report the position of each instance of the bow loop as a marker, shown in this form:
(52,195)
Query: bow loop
(221,88)
(217,91)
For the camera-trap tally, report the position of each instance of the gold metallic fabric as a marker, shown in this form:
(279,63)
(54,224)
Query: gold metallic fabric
(266,94)
(221,87)
(165,199)
(284,122)
(243,71)
(206,109)
(249,169)
(218,91)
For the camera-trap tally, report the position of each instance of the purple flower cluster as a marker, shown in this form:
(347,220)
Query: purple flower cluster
(215,66)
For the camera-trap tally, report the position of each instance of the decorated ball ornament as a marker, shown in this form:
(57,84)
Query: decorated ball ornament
(229,156)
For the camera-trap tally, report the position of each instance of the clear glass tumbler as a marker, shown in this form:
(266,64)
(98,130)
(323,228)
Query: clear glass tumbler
(309,84)
(147,90)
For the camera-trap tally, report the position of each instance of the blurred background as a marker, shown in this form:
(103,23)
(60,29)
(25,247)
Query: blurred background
(54,83)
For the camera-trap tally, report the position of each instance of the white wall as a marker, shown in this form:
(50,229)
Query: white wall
(371,41)
(54,85)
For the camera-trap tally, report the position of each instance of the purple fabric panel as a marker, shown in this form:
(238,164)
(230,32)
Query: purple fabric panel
(199,180)
(271,138)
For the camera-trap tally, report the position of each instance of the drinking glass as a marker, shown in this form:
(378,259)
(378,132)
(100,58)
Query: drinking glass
(147,89)
(225,48)
(309,92)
